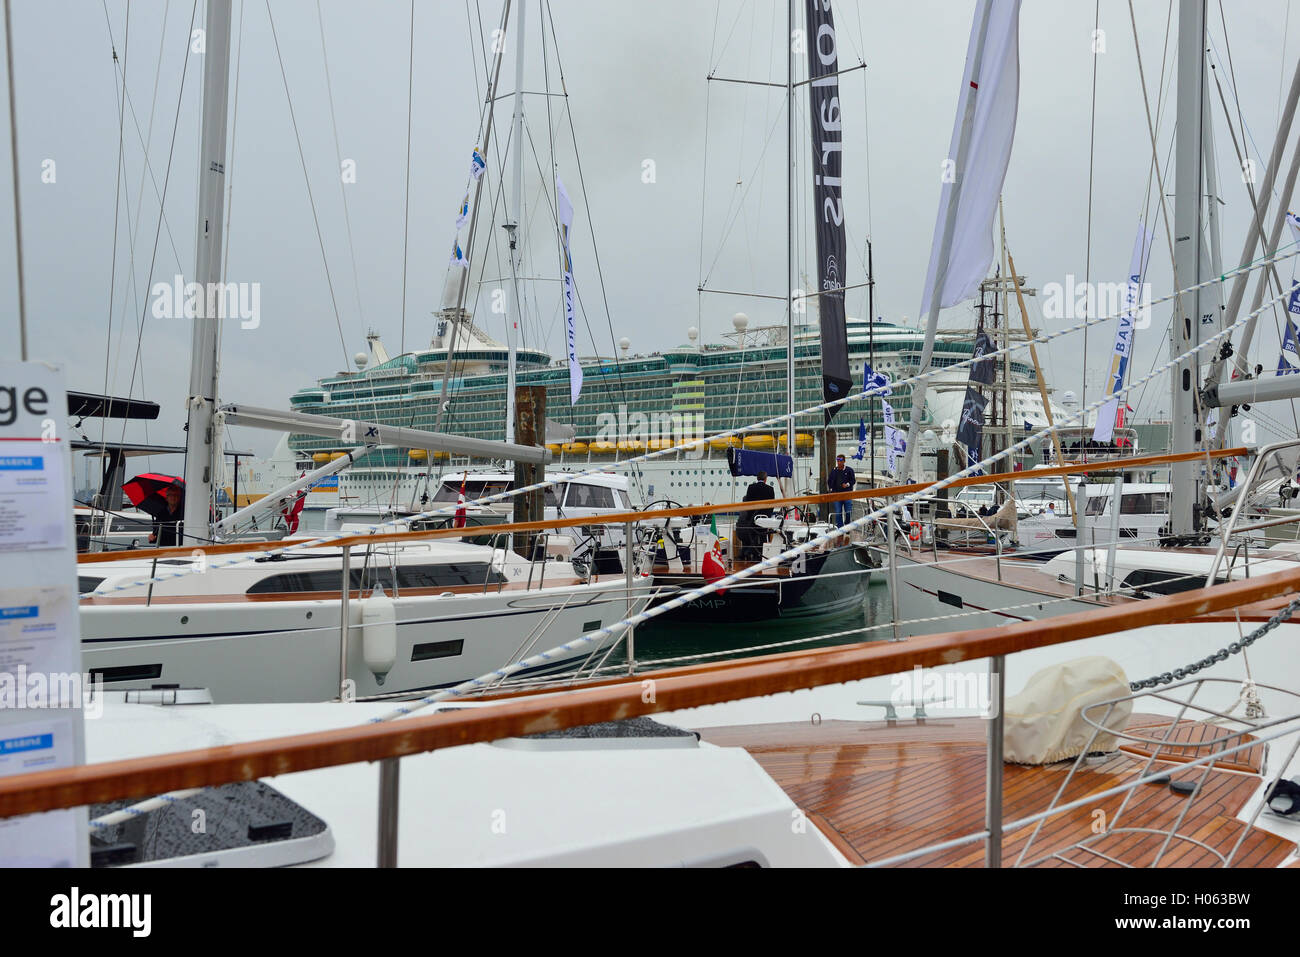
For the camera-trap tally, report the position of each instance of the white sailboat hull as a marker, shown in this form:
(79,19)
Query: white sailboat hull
(289,651)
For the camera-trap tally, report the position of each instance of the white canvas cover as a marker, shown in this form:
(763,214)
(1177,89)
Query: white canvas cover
(1044,722)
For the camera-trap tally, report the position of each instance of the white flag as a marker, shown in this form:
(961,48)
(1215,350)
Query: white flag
(895,439)
(1293,221)
(565,209)
(990,90)
(1133,302)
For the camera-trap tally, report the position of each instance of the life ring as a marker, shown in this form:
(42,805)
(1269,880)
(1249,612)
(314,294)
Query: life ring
(914,532)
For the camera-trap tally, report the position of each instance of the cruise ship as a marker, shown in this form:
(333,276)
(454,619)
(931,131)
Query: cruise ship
(633,403)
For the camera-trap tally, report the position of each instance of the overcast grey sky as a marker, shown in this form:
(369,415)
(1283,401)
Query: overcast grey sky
(635,75)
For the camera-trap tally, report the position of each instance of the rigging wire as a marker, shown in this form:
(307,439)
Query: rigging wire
(1242,161)
(230,202)
(320,239)
(117,205)
(1271,273)
(586,203)
(338,155)
(1092,156)
(132,292)
(153,257)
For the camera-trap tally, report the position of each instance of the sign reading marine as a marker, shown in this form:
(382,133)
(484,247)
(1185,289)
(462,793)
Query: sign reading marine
(828,149)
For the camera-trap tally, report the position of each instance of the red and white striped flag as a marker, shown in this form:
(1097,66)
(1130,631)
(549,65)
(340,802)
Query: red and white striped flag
(460,504)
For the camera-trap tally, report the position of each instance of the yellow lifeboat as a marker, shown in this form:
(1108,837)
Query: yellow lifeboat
(631,445)
(731,442)
(759,442)
(418,455)
(320,458)
(802,440)
(658,445)
(441,456)
(335,456)
(603,448)
(553,447)
(575,448)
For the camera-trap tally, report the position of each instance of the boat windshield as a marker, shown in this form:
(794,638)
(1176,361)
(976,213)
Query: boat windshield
(449,491)
(1133,503)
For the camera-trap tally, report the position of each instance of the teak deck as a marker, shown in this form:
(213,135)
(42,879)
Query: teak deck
(882,788)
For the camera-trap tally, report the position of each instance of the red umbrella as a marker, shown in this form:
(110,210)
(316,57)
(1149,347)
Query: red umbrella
(148,491)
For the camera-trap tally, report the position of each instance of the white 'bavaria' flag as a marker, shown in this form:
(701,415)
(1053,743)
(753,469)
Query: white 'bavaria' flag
(1104,430)
(565,209)
(990,91)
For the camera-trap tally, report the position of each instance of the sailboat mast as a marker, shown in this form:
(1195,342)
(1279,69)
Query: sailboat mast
(462,285)
(789,232)
(871,351)
(201,438)
(516,216)
(1185,328)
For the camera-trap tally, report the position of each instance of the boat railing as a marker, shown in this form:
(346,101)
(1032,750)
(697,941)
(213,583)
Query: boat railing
(1257,469)
(991,533)
(528,712)
(1161,743)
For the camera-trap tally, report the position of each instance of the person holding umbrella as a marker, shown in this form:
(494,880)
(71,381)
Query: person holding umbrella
(163,497)
(167,522)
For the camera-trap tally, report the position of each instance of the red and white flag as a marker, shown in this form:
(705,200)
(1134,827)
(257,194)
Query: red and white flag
(292,511)
(712,567)
(460,504)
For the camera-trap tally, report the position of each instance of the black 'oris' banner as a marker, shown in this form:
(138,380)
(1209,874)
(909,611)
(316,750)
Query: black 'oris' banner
(827,148)
(971,428)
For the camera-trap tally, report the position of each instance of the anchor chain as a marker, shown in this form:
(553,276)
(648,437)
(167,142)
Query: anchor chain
(1178,674)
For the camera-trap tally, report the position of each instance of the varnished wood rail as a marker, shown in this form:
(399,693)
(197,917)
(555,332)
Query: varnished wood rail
(690,511)
(673,690)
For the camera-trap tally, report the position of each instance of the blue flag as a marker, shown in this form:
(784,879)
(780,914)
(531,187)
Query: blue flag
(1289,361)
(878,381)
(862,440)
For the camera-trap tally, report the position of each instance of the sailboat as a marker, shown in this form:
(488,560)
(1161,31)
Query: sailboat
(1104,564)
(357,617)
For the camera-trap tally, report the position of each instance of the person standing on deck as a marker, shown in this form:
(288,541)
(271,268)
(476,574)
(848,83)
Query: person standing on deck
(747,532)
(841,479)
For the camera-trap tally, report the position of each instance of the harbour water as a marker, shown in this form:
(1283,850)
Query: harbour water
(680,643)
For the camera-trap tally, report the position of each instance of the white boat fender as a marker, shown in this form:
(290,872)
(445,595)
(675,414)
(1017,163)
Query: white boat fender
(379,632)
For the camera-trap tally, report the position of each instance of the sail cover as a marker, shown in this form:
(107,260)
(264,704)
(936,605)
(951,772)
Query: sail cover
(827,148)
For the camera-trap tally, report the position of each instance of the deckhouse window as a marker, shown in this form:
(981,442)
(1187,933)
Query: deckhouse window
(443,575)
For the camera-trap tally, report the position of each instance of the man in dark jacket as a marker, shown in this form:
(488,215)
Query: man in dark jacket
(841,479)
(746,531)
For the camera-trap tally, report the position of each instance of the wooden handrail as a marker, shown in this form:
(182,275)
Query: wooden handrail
(692,511)
(674,690)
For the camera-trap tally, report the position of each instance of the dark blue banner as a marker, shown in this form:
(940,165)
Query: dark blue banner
(747,462)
